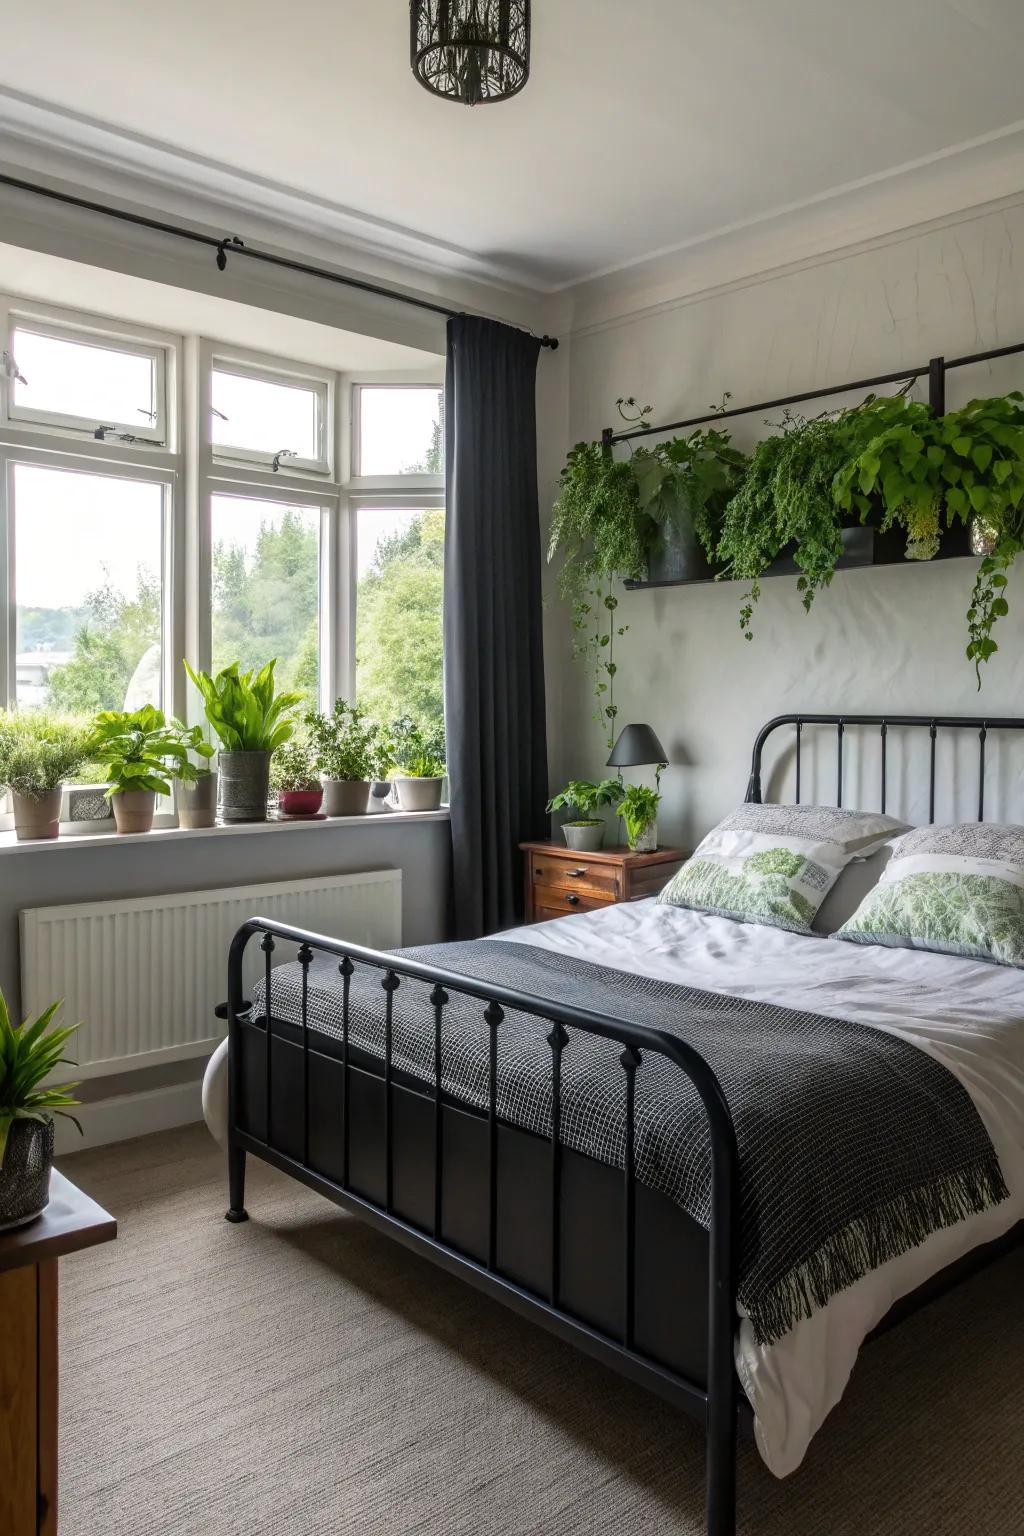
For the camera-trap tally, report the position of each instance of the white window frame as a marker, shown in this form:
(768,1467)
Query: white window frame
(372,483)
(265,369)
(107,335)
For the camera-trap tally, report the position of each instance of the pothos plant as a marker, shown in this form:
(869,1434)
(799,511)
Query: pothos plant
(968,464)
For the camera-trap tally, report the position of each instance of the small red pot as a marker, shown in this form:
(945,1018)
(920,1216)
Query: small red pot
(299,802)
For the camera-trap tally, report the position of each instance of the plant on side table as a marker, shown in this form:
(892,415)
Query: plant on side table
(344,745)
(251,721)
(419,762)
(29,1052)
(142,752)
(584,831)
(639,811)
(293,773)
(37,754)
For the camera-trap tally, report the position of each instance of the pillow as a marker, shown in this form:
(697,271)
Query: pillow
(955,890)
(859,877)
(775,864)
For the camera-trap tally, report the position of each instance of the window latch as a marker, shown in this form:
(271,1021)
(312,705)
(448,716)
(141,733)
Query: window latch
(11,369)
(283,453)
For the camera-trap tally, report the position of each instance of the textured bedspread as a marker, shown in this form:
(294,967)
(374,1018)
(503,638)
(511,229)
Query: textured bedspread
(828,1191)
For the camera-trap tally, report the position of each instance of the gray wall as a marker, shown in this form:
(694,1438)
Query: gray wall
(162,865)
(891,637)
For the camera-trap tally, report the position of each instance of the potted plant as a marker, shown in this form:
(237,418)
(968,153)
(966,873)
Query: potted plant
(584,832)
(419,763)
(28,1054)
(251,722)
(345,748)
(293,773)
(639,811)
(37,753)
(195,784)
(142,752)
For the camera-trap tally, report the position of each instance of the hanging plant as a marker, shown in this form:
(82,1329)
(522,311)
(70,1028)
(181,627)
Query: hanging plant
(787,500)
(963,466)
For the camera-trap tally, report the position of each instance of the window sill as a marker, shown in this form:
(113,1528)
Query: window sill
(91,840)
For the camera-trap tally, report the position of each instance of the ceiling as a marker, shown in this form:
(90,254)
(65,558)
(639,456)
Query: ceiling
(644,127)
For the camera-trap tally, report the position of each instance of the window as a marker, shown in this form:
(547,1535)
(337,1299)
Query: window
(88,567)
(84,382)
(400,430)
(265,588)
(257,415)
(400,565)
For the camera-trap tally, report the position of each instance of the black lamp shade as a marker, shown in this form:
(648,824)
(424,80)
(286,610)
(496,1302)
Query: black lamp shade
(637,744)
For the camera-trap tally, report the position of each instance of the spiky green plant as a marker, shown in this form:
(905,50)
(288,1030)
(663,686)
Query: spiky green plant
(29,1052)
(244,710)
(39,751)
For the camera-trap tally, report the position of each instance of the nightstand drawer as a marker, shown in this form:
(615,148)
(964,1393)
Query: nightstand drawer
(548,903)
(575,874)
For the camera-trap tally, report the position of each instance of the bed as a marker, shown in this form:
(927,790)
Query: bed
(434,1095)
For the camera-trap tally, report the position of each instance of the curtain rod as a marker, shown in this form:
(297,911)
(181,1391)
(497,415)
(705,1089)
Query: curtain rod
(237,247)
(935,369)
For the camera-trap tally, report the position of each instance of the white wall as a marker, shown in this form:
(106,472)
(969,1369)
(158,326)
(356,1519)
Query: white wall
(889,638)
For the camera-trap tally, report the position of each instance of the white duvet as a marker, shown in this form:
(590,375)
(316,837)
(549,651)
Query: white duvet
(968,1014)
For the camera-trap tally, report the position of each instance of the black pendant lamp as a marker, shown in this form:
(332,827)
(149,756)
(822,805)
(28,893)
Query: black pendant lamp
(471,51)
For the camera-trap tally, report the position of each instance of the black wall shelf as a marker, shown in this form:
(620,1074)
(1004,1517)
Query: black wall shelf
(863,546)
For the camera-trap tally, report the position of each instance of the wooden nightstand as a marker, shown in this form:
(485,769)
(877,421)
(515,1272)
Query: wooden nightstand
(560,881)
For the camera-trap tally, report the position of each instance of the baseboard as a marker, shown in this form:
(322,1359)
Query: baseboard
(131,1114)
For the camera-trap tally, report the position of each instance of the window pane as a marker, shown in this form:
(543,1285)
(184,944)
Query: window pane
(265,417)
(76,378)
(401,430)
(266,588)
(87,553)
(398,613)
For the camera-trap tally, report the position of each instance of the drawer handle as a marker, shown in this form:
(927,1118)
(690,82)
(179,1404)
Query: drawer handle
(576,873)
(572,899)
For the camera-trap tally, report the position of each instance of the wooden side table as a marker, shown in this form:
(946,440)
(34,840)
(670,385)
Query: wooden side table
(28,1352)
(558,880)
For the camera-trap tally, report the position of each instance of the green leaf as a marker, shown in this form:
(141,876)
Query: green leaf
(982,456)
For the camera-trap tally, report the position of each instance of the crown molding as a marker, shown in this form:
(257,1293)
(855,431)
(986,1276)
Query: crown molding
(76,146)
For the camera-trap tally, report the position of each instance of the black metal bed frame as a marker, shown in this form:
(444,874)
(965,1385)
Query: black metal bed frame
(717,1402)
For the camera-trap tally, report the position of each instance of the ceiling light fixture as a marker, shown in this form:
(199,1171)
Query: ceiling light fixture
(471,51)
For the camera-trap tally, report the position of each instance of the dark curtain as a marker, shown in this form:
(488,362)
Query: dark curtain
(493,650)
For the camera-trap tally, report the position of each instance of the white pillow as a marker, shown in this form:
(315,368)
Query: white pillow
(775,864)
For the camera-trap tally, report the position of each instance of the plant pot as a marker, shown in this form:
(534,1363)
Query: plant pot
(346,797)
(419,794)
(647,842)
(380,789)
(36,816)
(583,836)
(133,810)
(680,555)
(244,785)
(196,802)
(25,1172)
(299,802)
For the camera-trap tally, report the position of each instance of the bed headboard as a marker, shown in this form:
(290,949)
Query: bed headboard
(881,723)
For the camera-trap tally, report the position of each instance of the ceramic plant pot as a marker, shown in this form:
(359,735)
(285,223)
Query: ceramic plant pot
(299,802)
(25,1172)
(196,803)
(419,794)
(647,842)
(346,797)
(583,836)
(133,810)
(36,816)
(244,785)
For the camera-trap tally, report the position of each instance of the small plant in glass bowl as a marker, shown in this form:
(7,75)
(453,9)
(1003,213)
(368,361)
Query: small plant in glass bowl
(293,773)
(38,752)
(344,745)
(29,1052)
(584,831)
(639,811)
(418,755)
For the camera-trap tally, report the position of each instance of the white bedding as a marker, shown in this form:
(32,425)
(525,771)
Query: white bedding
(968,1014)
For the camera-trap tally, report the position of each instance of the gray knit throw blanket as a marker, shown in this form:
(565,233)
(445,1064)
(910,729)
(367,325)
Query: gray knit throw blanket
(854,1145)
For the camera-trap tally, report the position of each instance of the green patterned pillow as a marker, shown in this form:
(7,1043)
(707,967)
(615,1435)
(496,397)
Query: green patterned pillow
(955,890)
(775,864)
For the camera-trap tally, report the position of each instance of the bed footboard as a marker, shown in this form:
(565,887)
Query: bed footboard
(287,1138)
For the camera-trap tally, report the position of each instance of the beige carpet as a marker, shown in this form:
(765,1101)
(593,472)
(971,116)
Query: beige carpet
(302,1374)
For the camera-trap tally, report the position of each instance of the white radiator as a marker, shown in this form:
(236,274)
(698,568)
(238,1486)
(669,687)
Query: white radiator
(145,975)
